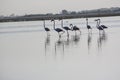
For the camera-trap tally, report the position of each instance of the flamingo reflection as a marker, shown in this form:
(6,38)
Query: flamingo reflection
(76,39)
(89,41)
(101,39)
(47,43)
(58,45)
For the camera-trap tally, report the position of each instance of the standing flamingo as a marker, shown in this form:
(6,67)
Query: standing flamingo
(100,28)
(88,26)
(75,28)
(46,29)
(65,27)
(57,29)
(104,27)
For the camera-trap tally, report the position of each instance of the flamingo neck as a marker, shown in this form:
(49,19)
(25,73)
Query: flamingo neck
(71,26)
(99,22)
(44,23)
(61,23)
(54,24)
(97,25)
(86,21)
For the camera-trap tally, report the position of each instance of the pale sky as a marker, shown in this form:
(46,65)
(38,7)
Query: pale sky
(21,7)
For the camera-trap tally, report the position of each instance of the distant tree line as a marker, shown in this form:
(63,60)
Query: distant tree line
(102,10)
(64,14)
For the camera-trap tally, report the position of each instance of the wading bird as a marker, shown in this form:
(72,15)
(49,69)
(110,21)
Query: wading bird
(100,28)
(65,27)
(88,26)
(46,29)
(75,28)
(58,30)
(104,27)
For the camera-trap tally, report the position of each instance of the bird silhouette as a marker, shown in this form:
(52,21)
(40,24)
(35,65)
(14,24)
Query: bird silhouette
(100,28)
(88,26)
(75,28)
(104,27)
(58,30)
(65,27)
(46,29)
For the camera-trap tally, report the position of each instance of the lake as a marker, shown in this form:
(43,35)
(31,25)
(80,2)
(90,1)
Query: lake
(27,53)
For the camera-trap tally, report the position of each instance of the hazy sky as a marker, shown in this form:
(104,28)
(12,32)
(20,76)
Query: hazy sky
(21,7)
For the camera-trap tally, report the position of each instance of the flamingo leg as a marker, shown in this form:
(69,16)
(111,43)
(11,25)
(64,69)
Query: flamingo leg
(62,32)
(88,30)
(91,30)
(80,31)
(59,35)
(75,32)
(67,33)
(48,33)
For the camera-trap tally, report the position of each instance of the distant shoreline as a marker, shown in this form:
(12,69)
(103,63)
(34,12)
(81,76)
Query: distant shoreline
(58,16)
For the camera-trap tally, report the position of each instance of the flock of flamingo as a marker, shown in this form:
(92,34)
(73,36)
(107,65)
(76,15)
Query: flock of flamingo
(72,27)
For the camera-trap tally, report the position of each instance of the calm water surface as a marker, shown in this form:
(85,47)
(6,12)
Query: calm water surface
(27,53)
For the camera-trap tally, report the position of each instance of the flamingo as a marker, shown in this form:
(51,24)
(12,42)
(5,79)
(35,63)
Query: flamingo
(100,28)
(88,26)
(58,30)
(46,29)
(104,27)
(75,28)
(65,28)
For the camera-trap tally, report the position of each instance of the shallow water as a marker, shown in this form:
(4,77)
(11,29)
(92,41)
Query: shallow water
(27,53)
